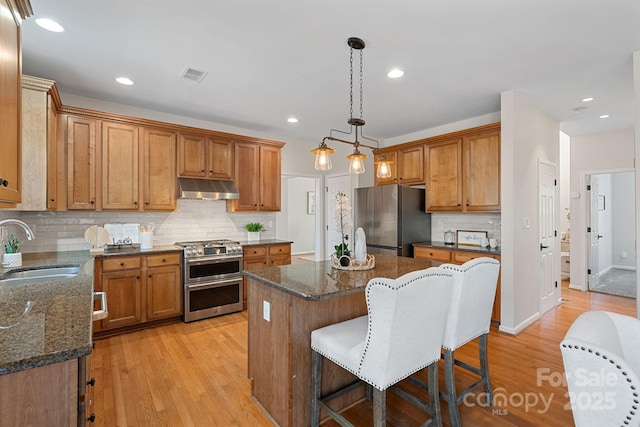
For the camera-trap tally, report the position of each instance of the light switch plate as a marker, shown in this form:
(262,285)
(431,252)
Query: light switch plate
(266,311)
(526,222)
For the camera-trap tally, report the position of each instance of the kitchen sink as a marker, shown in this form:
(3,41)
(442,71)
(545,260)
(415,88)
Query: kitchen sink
(45,274)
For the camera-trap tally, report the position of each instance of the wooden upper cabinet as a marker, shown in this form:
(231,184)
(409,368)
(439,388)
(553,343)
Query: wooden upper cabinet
(270,179)
(192,156)
(81,163)
(52,155)
(257,176)
(247,169)
(219,159)
(391,157)
(158,177)
(119,166)
(410,168)
(444,176)
(482,172)
(10,105)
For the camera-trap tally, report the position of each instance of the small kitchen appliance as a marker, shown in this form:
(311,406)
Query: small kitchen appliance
(212,276)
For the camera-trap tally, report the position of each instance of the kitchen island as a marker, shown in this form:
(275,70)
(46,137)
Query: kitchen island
(285,304)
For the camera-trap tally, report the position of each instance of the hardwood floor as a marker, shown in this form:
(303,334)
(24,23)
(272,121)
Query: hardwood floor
(195,374)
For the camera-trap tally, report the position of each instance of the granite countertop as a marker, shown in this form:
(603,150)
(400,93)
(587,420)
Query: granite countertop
(317,280)
(135,250)
(264,242)
(58,326)
(477,249)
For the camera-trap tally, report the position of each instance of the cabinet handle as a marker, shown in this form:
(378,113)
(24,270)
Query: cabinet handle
(92,202)
(202,170)
(135,203)
(122,264)
(92,418)
(164,260)
(5,182)
(146,202)
(137,277)
(210,171)
(53,200)
(264,263)
(91,382)
(149,276)
(467,204)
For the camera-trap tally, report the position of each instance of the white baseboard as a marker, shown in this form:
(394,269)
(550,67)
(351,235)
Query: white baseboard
(521,326)
(624,267)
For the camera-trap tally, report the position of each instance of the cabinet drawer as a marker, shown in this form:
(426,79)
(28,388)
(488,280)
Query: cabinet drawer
(121,263)
(163,259)
(255,251)
(462,257)
(276,260)
(432,254)
(279,249)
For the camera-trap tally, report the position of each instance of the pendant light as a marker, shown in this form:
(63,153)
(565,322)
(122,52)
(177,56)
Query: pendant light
(356,160)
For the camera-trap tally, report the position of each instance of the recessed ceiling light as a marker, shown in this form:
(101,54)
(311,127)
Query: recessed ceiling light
(292,120)
(604,116)
(395,73)
(124,81)
(587,99)
(50,25)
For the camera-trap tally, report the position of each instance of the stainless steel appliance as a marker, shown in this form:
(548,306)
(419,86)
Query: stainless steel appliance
(212,275)
(393,218)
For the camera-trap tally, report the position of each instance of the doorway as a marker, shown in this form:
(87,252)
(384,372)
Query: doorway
(611,256)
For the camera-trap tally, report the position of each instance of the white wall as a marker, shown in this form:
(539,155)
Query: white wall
(564,182)
(300,226)
(603,152)
(623,219)
(528,135)
(636,90)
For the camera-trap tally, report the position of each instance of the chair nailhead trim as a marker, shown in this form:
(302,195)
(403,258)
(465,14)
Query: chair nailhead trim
(632,412)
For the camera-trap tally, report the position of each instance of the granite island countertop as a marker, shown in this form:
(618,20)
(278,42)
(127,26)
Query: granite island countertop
(58,325)
(318,280)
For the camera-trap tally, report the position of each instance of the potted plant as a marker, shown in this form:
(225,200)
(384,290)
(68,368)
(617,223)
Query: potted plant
(12,256)
(253,231)
(343,221)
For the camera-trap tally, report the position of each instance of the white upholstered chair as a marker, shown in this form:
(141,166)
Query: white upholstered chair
(601,355)
(401,334)
(469,317)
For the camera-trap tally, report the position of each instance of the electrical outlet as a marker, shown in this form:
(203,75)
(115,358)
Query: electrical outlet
(623,254)
(266,311)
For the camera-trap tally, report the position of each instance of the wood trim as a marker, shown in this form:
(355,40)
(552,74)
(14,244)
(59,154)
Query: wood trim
(23,7)
(83,112)
(447,136)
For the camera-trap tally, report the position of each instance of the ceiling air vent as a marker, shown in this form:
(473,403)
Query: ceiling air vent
(193,74)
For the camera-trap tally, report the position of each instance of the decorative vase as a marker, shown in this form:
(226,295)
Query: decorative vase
(360,251)
(12,260)
(345,260)
(253,236)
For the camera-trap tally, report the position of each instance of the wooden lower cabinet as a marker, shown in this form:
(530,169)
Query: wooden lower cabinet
(261,256)
(459,257)
(58,394)
(140,289)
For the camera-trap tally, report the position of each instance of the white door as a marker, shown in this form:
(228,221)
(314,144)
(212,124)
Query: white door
(549,255)
(593,236)
(335,184)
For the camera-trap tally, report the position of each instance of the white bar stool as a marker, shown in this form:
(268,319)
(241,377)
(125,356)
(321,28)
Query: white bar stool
(401,334)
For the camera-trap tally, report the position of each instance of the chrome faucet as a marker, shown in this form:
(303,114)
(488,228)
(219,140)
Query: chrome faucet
(28,231)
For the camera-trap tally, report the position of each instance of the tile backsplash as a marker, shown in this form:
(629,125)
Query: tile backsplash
(441,222)
(193,220)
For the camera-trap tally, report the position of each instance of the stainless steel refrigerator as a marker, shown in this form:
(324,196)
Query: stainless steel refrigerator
(392,217)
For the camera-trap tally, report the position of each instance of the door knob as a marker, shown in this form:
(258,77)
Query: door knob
(543,246)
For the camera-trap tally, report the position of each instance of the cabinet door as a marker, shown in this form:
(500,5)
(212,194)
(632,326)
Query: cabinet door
(81,163)
(411,165)
(120,166)
(220,159)
(269,179)
(10,111)
(52,155)
(124,293)
(482,172)
(393,179)
(192,156)
(444,176)
(247,158)
(164,292)
(158,178)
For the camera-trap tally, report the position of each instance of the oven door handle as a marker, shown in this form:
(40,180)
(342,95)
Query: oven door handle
(216,283)
(211,260)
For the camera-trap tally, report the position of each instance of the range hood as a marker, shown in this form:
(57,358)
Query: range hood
(206,189)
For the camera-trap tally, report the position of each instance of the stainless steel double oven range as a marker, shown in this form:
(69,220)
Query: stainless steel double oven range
(212,276)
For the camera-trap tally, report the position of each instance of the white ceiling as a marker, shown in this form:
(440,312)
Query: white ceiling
(268,60)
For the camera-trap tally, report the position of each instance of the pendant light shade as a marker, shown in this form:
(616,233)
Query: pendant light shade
(356,162)
(323,157)
(384,169)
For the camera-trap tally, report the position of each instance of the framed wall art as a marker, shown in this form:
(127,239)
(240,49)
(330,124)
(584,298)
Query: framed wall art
(470,238)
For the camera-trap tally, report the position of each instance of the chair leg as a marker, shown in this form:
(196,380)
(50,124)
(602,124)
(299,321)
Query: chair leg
(316,385)
(379,407)
(434,395)
(450,381)
(484,367)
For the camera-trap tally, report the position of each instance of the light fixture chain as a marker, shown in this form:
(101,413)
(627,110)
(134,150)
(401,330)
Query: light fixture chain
(351,84)
(361,79)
